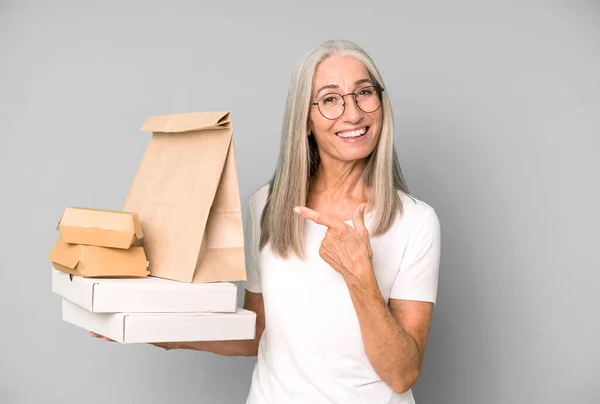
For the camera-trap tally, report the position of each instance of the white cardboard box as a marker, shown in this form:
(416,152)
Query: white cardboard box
(149,294)
(129,328)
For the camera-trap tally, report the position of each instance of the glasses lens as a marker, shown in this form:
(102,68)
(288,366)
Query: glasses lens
(331,106)
(368,99)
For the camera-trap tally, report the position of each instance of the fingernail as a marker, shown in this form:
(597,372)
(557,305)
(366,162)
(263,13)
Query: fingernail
(362,207)
(297,209)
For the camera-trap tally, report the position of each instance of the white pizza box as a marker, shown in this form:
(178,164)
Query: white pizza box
(131,328)
(149,294)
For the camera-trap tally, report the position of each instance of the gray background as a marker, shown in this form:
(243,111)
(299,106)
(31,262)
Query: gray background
(497,107)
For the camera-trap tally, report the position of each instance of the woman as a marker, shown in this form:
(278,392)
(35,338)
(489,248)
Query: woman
(342,264)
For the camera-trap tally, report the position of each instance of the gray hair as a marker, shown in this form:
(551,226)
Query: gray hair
(299,158)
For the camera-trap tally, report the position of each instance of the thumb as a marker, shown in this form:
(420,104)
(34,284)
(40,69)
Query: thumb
(358,218)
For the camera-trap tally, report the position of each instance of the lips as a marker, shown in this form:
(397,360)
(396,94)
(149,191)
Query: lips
(351,134)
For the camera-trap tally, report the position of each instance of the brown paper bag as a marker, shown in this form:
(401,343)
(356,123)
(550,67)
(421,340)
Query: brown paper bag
(186,195)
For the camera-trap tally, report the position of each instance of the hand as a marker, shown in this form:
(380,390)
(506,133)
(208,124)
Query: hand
(164,345)
(93,334)
(346,249)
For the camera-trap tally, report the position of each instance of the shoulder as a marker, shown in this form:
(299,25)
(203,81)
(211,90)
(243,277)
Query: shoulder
(416,213)
(257,201)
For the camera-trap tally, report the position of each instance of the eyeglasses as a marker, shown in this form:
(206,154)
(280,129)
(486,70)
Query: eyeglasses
(333,105)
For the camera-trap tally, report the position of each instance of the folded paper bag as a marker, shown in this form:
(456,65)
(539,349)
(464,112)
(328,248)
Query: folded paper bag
(186,194)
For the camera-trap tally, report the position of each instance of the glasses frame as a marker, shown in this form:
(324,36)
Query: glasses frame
(379,89)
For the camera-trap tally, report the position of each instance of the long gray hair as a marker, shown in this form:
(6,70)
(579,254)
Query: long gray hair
(299,158)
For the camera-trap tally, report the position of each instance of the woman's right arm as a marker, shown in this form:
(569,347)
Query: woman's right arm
(253,302)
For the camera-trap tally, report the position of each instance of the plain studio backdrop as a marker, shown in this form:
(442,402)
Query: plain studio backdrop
(497,112)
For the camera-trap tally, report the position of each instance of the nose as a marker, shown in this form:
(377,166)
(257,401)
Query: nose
(352,113)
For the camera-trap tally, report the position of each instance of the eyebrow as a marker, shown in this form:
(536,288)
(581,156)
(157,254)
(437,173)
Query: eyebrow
(334,86)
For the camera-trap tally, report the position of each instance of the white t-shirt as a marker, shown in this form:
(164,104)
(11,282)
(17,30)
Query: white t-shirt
(312,350)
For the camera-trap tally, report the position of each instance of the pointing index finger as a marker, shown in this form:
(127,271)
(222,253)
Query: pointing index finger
(317,217)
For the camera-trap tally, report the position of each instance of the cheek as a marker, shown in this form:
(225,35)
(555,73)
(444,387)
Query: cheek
(315,122)
(321,126)
(378,117)
(377,123)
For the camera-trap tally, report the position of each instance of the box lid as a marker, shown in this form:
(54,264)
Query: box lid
(104,228)
(193,121)
(142,295)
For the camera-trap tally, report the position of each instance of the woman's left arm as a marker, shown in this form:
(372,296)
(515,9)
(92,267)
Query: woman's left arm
(394,337)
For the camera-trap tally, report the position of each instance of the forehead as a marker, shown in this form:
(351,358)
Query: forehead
(342,71)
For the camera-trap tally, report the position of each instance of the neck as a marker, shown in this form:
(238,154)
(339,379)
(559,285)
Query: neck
(340,179)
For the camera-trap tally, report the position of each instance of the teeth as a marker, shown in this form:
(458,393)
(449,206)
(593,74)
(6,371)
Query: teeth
(354,133)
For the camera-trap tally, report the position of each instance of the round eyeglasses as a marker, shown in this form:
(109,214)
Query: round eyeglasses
(333,105)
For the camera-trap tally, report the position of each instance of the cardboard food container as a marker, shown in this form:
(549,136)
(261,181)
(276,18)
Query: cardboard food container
(93,261)
(149,294)
(129,328)
(186,195)
(103,228)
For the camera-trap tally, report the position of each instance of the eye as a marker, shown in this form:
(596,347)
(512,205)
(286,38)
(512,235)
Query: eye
(330,99)
(367,92)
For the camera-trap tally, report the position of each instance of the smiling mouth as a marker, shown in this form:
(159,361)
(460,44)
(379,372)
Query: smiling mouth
(353,133)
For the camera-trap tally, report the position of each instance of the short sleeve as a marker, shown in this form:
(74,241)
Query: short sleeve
(251,251)
(417,277)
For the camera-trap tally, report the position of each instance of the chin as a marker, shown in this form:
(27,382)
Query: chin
(356,156)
